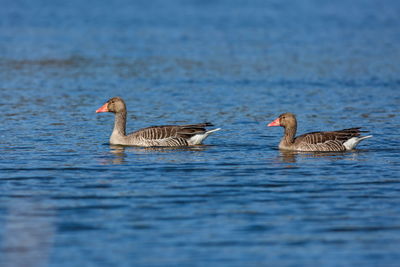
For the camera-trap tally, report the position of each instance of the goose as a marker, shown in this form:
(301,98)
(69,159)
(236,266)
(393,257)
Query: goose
(341,140)
(154,136)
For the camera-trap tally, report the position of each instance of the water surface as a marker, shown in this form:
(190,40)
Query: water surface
(68,198)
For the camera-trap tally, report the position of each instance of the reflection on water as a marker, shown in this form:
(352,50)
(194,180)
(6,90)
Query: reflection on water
(145,150)
(235,63)
(120,153)
(294,156)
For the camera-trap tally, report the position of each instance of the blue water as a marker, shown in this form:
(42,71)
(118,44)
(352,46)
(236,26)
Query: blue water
(68,198)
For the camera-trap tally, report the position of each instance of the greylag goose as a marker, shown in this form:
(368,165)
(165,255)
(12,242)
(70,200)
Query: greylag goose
(341,140)
(167,135)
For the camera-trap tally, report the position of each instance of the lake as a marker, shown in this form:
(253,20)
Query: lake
(68,198)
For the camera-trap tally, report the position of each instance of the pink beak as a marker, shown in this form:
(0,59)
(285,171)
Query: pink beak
(103,108)
(275,123)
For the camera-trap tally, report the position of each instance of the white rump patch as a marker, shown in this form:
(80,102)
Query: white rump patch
(353,142)
(199,138)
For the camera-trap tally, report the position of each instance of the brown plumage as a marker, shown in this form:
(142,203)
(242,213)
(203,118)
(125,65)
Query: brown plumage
(166,135)
(341,140)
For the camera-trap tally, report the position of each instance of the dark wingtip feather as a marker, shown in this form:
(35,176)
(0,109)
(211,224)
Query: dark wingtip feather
(198,125)
(355,129)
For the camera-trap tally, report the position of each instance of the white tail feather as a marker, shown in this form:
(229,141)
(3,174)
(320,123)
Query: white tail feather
(353,142)
(199,138)
(213,130)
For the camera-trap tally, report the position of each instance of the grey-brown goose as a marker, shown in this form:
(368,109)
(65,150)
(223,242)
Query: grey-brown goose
(167,135)
(342,140)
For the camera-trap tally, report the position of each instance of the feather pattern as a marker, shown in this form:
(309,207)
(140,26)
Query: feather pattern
(316,141)
(166,135)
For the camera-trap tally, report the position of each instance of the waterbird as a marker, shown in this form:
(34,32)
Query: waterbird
(154,136)
(341,140)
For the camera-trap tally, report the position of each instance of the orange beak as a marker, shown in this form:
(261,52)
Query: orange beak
(103,108)
(275,123)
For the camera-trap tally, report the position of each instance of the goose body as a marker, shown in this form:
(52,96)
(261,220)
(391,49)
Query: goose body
(166,135)
(341,140)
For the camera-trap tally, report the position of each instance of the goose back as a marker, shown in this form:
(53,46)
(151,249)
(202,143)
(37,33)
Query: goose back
(167,135)
(326,141)
(340,140)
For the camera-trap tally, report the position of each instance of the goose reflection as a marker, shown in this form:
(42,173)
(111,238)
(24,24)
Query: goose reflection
(294,156)
(120,153)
